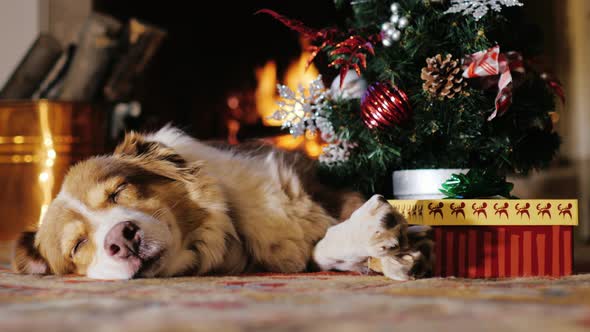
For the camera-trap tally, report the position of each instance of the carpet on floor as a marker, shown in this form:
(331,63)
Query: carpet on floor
(314,302)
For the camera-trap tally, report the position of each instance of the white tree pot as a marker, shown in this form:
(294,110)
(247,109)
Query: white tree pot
(422,183)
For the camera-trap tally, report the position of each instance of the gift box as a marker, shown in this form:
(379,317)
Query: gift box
(497,238)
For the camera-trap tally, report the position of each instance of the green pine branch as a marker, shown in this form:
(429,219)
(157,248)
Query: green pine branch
(450,133)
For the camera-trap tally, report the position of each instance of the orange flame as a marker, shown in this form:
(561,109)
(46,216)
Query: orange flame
(312,146)
(266,99)
(265,95)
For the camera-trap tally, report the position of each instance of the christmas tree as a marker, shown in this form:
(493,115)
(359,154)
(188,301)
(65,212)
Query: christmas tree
(426,84)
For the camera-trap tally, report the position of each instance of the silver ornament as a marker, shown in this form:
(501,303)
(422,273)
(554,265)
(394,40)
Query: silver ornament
(394,7)
(403,23)
(394,18)
(389,32)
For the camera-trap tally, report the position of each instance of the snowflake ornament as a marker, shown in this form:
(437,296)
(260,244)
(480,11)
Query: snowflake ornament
(335,153)
(479,8)
(304,111)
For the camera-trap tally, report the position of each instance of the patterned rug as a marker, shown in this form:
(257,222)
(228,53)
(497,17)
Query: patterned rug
(315,302)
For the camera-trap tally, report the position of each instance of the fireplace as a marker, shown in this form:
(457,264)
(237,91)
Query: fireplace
(215,75)
(254,108)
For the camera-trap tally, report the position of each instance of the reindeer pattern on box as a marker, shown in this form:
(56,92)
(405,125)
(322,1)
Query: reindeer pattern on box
(520,237)
(501,212)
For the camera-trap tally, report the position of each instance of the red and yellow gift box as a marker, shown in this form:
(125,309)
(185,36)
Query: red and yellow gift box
(496,238)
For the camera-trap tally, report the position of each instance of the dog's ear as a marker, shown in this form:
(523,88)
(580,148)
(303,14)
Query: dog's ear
(26,257)
(135,145)
(156,158)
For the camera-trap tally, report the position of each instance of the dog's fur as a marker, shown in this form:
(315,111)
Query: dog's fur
(202,210)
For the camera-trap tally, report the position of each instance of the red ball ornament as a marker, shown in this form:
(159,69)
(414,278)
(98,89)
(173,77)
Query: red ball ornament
(384,105)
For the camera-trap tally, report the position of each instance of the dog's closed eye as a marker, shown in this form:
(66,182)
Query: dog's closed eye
(79,244)
(115,194)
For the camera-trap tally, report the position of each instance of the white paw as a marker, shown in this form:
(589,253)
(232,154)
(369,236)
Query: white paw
(376,213)
(373,230)
(377,205)
(400,268)
(383,226)
(382,243)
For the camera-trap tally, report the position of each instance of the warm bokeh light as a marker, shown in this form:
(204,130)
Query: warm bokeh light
(265,95)
(233,102)
(266,92)
(296,72)
(311,146)
(48,154)
(266,99)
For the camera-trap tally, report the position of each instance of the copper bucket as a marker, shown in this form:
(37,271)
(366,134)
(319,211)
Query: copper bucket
(39,140)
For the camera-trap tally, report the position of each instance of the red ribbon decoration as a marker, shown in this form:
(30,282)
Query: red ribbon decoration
(348,53)
(491,63)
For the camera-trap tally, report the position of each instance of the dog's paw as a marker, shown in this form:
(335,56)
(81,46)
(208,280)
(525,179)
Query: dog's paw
(414,262)
(397,268)
(384,242)
(384,231)
(375,229)
(378,214)
(377,205)
(421,243)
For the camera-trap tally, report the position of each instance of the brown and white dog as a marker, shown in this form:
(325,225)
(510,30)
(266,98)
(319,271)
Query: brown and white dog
(165,204)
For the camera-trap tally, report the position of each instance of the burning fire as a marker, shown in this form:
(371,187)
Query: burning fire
(266,98)
(265,95)
(312,146)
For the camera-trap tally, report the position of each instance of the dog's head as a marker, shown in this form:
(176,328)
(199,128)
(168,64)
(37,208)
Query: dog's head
(117,217)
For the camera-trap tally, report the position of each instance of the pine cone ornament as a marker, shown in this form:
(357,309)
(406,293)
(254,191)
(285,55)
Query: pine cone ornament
(443,77)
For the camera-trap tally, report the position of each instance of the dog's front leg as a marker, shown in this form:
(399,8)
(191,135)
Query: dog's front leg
(376,229)
(214,244)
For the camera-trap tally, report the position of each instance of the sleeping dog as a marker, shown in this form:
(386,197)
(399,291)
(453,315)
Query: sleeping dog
(165,204)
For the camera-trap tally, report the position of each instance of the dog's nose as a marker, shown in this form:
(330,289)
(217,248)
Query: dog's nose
(123,240)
